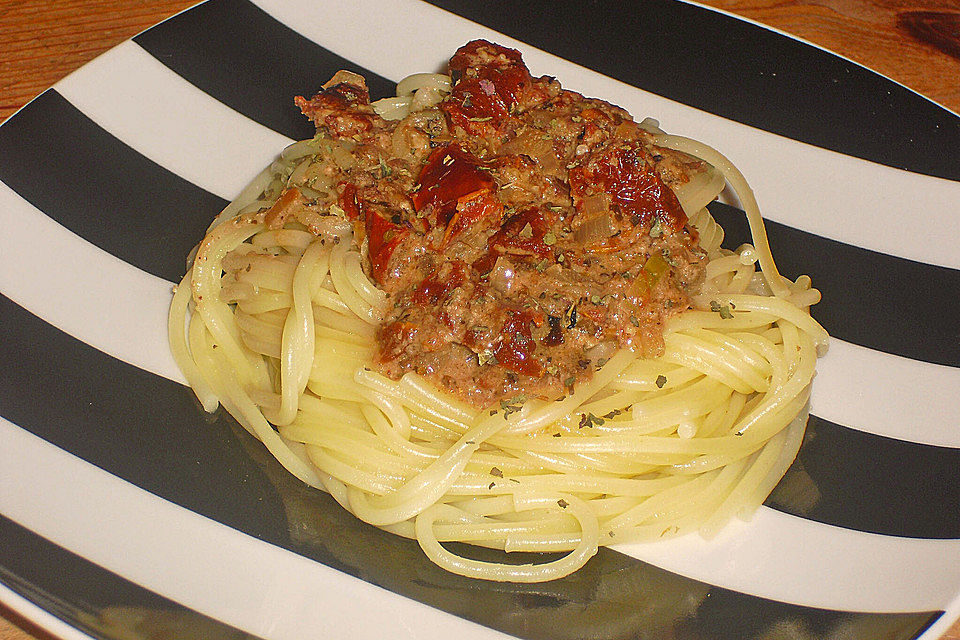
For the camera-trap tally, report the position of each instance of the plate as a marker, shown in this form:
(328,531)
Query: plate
(125,511)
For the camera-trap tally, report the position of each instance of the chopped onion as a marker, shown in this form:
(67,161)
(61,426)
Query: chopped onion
(392,108)
(342,157)
(426,97)
(531,144)
(503,275)
(598,228)
(411,84)
(601,351)
(335,225)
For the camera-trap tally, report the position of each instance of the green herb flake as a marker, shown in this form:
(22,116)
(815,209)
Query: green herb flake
(661,380)
(527,231)
(655,229)
(385,169)
(543,264)
(723,310)
(589,420)
(512,405)
(549,239)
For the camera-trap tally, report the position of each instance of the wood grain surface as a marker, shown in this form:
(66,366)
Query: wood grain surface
(916,43)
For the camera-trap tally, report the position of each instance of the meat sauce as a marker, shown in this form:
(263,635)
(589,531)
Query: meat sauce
(521,232)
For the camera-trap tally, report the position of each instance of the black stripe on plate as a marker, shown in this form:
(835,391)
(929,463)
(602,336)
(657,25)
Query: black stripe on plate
(872,483)
(150,431)
(739,71)
(126,204)
(65,165)
(238,54)
(93,600)
(872,299)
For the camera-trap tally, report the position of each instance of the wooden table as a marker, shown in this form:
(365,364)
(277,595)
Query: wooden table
(915,42)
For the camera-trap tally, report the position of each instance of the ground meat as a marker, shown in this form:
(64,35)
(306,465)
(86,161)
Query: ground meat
(521,231)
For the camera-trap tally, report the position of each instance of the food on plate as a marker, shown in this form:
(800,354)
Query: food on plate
(492,310)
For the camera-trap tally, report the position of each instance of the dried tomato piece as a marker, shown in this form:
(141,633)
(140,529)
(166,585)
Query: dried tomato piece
(515,352)
(527,232)
(383,237)
(435,286)
(349,201)
(342,106)
(472,210)
(483,53)
(555,336)
(633,185)
(394,338)
(490,81)
(450,174)
(484,264)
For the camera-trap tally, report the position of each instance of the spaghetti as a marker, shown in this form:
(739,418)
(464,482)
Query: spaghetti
(277,319)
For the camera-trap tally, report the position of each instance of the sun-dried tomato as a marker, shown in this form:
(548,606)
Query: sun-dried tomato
(526,232)
(449,174)
(515,351)
(383,237)
(633,185)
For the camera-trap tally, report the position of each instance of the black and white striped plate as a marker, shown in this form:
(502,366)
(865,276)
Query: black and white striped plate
(127,512)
